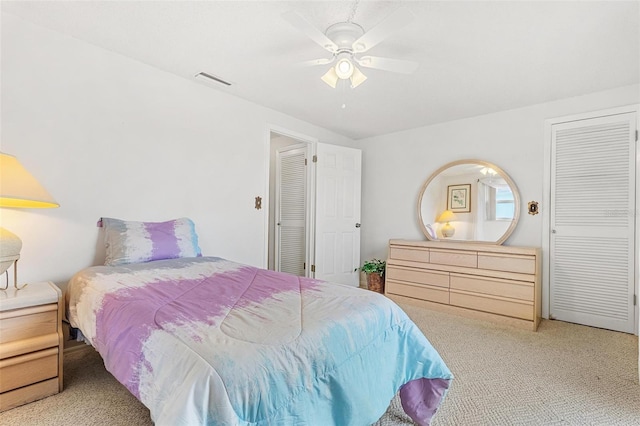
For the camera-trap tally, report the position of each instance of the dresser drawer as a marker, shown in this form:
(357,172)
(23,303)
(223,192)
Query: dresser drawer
(25,323)
(507,262)
(411,254)
(418,276)
(511,308)
(467,259)
(26,369)
(423,292)
(494,286)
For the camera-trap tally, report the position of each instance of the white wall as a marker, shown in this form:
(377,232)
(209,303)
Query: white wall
(110,136)
(397,164)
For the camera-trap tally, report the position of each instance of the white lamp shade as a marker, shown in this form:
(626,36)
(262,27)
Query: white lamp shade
(344,70)
(331,78)
(357,78)
(19,189)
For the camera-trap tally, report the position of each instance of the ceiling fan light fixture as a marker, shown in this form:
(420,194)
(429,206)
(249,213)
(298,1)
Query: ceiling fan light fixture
(330,77)
(357,78)
(346,39)
(344,68)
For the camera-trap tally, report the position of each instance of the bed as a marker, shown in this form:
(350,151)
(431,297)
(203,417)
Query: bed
(207,341)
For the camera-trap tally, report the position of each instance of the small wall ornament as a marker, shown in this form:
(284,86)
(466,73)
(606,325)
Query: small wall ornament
(532,207)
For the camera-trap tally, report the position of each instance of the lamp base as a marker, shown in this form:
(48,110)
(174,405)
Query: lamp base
(448,230)
(10,246)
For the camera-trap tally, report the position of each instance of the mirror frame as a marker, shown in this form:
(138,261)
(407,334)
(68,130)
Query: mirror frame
(502,173)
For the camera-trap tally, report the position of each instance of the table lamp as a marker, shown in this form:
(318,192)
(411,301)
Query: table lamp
(447,230)
(18,189)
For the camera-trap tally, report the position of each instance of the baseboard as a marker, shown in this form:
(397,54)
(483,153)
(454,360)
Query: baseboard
(75,348)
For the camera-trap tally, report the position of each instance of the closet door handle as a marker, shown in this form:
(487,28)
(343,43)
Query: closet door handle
(357,225)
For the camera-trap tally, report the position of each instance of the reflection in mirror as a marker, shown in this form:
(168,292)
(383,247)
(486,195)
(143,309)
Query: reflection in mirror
(469,200)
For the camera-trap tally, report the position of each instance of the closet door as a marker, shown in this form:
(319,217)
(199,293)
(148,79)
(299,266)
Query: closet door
(592,216)
(291,210)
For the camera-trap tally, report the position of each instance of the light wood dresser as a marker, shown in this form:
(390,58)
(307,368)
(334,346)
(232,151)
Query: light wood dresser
(30,344)
(480,280)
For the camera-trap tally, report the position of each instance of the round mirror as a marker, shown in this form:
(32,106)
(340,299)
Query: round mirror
(469,200)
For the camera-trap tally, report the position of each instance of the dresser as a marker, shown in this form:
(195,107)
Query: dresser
(483,281)
(30,343)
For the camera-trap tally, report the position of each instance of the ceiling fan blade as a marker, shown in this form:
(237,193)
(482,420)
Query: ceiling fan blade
(384,29)
(301,23)
(321,61)
(330,77)
(388,64)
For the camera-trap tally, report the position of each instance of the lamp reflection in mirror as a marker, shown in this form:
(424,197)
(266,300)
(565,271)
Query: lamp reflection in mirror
(446,217)
(18,189)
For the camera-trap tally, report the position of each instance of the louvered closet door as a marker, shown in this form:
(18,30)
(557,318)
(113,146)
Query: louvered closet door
(291,190)
(592,222)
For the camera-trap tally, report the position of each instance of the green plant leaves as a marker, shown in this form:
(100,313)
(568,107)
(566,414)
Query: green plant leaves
(374,266)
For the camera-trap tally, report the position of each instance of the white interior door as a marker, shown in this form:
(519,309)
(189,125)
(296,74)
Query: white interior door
(291,210)
(337,218)
(592,242)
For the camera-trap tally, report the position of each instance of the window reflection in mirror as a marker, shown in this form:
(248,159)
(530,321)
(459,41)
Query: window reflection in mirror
(497,199)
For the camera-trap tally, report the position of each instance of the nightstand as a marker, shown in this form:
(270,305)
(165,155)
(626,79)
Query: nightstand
(30,344)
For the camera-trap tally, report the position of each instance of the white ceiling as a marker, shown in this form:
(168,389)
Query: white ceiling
(475,57)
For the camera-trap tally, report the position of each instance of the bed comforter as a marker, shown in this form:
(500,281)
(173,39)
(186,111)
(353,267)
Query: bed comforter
(206,341)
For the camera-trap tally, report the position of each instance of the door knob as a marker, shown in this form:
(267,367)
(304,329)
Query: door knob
(357,225)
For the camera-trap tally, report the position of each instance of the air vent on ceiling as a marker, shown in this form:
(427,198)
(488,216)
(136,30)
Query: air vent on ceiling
(204,75)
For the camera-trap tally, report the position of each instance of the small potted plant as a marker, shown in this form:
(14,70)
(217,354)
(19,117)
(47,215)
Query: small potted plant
(374,269)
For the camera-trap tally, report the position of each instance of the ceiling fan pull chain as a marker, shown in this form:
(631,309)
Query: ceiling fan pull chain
(353,11)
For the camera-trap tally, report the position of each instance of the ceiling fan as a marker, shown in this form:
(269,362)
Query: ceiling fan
(347,41)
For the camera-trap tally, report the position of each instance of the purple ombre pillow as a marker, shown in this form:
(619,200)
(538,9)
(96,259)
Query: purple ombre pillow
(136,242)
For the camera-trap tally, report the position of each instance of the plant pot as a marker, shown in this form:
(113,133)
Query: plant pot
(375,282)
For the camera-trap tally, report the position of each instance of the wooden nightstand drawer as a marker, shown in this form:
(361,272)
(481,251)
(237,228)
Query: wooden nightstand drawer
(26,369)
(21,347)
(30,344)
(25,323)
(28,394)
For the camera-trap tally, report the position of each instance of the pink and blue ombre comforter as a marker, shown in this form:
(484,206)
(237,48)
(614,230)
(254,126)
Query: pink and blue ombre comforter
(206,341)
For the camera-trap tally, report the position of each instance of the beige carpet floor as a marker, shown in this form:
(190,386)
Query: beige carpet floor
(564,374)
